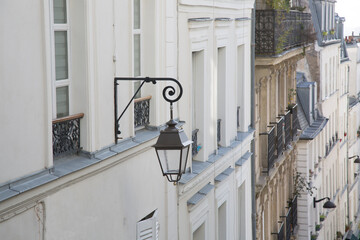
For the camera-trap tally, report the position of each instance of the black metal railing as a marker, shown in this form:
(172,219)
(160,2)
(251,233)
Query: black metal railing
(288,133)
(279,136)
(218,130)
(279,30)
(294,212)
(66,135)
(141,111)
(281,233)
(288,218)
(268,148)
(294,120)
(291,219)
(271,148)
(195,148)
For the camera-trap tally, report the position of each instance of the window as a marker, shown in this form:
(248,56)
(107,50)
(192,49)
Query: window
(222,222)
(148,227)
(221,93)
(137,43)
(199,233)
(61,76)
(198,66)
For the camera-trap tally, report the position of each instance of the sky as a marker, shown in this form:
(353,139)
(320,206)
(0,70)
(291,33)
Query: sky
(350,9)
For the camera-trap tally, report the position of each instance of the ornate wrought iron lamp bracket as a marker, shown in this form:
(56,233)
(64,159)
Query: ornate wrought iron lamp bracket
(168,93)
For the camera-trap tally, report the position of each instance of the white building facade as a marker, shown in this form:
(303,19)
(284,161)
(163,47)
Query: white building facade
(63,176)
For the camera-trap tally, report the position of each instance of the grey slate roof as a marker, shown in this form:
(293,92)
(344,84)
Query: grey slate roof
(310,131)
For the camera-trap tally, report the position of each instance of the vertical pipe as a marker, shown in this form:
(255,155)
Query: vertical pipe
(253,206)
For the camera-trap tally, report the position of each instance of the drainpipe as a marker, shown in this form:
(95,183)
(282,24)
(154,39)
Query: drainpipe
(253,206)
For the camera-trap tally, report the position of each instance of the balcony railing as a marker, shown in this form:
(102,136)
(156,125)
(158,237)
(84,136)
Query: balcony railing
(294,212)
(141,111)
(281,233)
(288,133)
(279,135)
(66,135)
(291,218)
(278,30)
(294,121)
(268,141)
(195,148)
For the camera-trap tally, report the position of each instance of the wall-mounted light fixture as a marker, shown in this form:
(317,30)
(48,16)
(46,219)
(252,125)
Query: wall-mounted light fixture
(328,204)
(172,146)
(357,159)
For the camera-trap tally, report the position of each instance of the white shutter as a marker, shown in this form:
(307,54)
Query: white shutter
(148,227)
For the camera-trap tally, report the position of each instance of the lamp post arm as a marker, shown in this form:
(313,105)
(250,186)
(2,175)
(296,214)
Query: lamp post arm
(168,93)
(353,156)
(316,201)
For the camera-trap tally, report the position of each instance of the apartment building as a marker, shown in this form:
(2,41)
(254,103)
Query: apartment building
(282,37)
(325,156)
(74,167)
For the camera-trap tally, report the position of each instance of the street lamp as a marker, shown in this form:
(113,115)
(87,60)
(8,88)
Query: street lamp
(172,146)
(328,204)
(357,159)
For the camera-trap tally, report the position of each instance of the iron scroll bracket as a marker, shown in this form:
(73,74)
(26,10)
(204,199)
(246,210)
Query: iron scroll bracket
(168,94)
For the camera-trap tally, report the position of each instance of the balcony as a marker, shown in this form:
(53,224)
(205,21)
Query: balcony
(66,135)
(267,140)
(141,111)
(279,124)
(295,125)
(277,31)
(291,218)
(288,134)
(281,233)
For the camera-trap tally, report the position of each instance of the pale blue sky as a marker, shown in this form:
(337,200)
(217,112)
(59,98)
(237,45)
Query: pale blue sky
(350,9)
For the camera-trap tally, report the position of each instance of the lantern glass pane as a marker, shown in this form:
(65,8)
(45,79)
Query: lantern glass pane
(169,160)
(185,152)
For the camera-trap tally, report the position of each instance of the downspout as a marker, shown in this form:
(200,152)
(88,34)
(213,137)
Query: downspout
(347,149)
(253,203)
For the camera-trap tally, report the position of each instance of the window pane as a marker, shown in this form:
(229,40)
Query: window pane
(61,55)
(137,54)
(136,86)
(59,11)
(62,102)
(136,14)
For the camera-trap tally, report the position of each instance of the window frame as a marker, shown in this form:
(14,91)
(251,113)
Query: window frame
(60,27)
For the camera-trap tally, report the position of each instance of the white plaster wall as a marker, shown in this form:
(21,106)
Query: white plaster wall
(109,204)
(28,224)
(25,141)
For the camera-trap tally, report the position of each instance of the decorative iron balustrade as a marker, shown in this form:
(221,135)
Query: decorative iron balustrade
(288,133)
(195,146)
(279,136)
(267,140)
(288,226)
(281,233)
(218,130)
(141,111)
(294,212)
(66,135)
(271,148)
(294,121)
(278,30)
